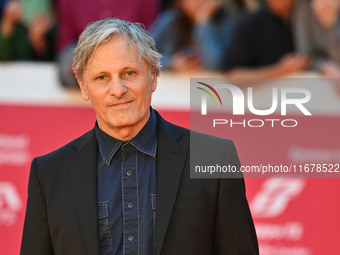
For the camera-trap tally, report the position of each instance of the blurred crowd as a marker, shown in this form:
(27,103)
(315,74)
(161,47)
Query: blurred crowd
(240,38)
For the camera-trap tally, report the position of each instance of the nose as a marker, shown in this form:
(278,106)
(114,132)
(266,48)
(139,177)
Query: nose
(117,87)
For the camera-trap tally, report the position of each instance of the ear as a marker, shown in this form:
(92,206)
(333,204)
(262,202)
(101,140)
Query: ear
(83,90)
(153,81)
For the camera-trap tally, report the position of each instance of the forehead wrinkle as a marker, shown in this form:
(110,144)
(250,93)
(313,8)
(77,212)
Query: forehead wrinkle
(132,43)
(101,46)
(129,59)
(98,49)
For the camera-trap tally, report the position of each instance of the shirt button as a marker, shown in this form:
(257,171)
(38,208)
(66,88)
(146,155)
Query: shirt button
(130,205)
(129,173)
(130,238)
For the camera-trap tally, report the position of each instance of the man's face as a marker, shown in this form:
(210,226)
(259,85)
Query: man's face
(119,85)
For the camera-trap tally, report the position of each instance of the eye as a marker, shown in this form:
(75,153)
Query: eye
(101,77)
(129,73)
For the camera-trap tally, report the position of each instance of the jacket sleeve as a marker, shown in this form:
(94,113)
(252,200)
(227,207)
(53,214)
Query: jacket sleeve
(234,228)
(36,235)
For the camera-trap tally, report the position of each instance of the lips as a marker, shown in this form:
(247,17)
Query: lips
(121,104)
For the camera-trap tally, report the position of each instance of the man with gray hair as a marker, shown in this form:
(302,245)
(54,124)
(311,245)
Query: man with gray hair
(124,187)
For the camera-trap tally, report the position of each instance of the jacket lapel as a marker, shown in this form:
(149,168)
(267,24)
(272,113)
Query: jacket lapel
(82,169)
(171,157)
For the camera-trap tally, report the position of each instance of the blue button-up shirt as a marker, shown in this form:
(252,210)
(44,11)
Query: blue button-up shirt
(126,192)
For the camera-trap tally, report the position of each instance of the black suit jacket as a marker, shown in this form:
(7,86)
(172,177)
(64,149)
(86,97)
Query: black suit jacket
(194,216)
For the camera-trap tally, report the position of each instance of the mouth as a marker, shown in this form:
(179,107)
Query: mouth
(121,104)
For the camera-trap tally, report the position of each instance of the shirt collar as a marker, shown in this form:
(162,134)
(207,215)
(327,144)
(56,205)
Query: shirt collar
(145,141)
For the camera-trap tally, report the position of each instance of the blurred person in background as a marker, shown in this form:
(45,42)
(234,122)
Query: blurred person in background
(2,4)
(74,16)
(243,6)
(192,35)
(232,5)
(27,31)
(262,46)
(166,4)
(317,31)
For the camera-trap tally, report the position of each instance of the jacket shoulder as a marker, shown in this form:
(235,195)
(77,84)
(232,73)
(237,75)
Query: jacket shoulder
(61,154)
(191,137)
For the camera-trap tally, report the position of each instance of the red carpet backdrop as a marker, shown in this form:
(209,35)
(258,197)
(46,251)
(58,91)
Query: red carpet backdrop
(292,216)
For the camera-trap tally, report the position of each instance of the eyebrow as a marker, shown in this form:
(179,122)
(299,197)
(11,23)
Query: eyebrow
(129,67)
(98,73)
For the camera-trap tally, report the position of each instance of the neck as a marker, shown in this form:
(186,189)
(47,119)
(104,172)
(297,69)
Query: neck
(124,133)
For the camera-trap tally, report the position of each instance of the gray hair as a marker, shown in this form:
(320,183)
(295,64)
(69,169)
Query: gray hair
(99,32)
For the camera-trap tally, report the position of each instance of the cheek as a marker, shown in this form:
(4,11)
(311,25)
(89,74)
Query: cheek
(144,101)
(97,101)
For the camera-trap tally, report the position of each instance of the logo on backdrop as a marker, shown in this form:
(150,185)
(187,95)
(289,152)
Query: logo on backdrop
(10,203)
(274,197)
(281,98)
